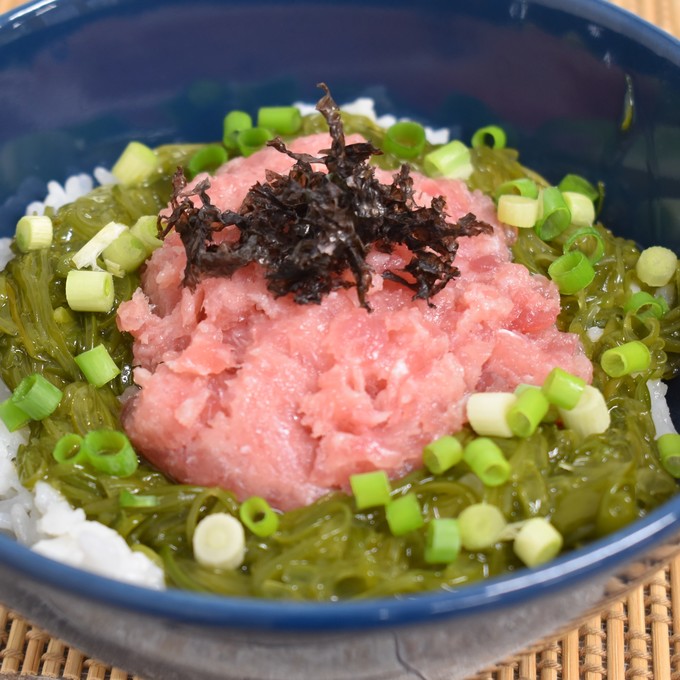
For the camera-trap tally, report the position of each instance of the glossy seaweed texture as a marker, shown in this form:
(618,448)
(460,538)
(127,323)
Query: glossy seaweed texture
(82,77)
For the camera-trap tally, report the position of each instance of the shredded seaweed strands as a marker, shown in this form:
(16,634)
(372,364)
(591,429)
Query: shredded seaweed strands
(309,228)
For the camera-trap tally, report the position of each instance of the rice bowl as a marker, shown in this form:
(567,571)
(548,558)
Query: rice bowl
(548,573)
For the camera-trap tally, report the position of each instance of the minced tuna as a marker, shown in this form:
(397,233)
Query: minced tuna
(267,397)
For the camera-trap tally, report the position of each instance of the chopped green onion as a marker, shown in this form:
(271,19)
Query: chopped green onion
(13,417)
(487,413)
(518,187)
(487,461)
(669,453)
(404,515)
(219,541)
(526,414)
(537,542)
(632,357)
(645,304)
(126,499)
(405,139)
(451,160)
(97,366)
(442,454)
(580,185)
(257,515)
(554,214)
(63,316)
(36,396)
(442,543)
(146,230)
(481,526)
(69,450)
(518,211)
(33,232)
(581,208)
(563,389)
(207,159)
(587,234)
(571,272)
(88,291)
(136,163)
(126,253)
(590,415)
(656,266)
(370,489)
(88,254)
(110,452)
(235,122)
(251,140)
(491,133)
(281,120)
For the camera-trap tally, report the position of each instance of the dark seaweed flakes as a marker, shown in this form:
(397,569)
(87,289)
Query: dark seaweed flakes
(311,231)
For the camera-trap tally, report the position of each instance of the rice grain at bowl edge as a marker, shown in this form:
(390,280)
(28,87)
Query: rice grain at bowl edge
(266,397)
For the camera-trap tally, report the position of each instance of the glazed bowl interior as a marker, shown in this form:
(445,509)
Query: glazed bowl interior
(81,78)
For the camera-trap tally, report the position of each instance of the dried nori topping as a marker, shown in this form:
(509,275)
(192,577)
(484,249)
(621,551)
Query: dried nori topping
(308,228)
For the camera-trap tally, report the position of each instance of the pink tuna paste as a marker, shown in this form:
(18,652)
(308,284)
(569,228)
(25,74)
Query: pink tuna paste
(266,397)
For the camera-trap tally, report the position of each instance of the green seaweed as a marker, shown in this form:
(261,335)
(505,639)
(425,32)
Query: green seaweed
(328,551)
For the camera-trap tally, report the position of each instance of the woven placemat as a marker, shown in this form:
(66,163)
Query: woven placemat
(636,636)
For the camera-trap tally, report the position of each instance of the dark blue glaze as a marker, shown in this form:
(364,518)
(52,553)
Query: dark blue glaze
(80,78)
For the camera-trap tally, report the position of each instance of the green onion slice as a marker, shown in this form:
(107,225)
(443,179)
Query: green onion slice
(110,452)
(136,163)
(518,187)
(579,185)
(281,120)
(88,291)
(235,122)
(656,266)
(405,139)
(442,454)
(572,272)
(251,140)
(555,215)
(563,389)
(404,515)
(33,232)
(125,254)
(587,234)
(669,453)
(487,461)
(442,543)
(36,396)
(97,366)
(69,450)
(207,159)
(370,489)
(13,417)
(528,411)
(645,304)
(257,515)
(631,357)
(537,542)
(490,133)
(481,526)
(451,160)
(518,211)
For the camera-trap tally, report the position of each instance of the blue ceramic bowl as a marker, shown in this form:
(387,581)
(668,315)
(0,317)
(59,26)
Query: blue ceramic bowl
(79,78)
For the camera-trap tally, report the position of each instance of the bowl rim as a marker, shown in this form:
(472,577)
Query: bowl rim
(598,559)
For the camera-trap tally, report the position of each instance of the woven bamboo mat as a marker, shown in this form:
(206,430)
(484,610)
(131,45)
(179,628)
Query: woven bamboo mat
(636,636)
